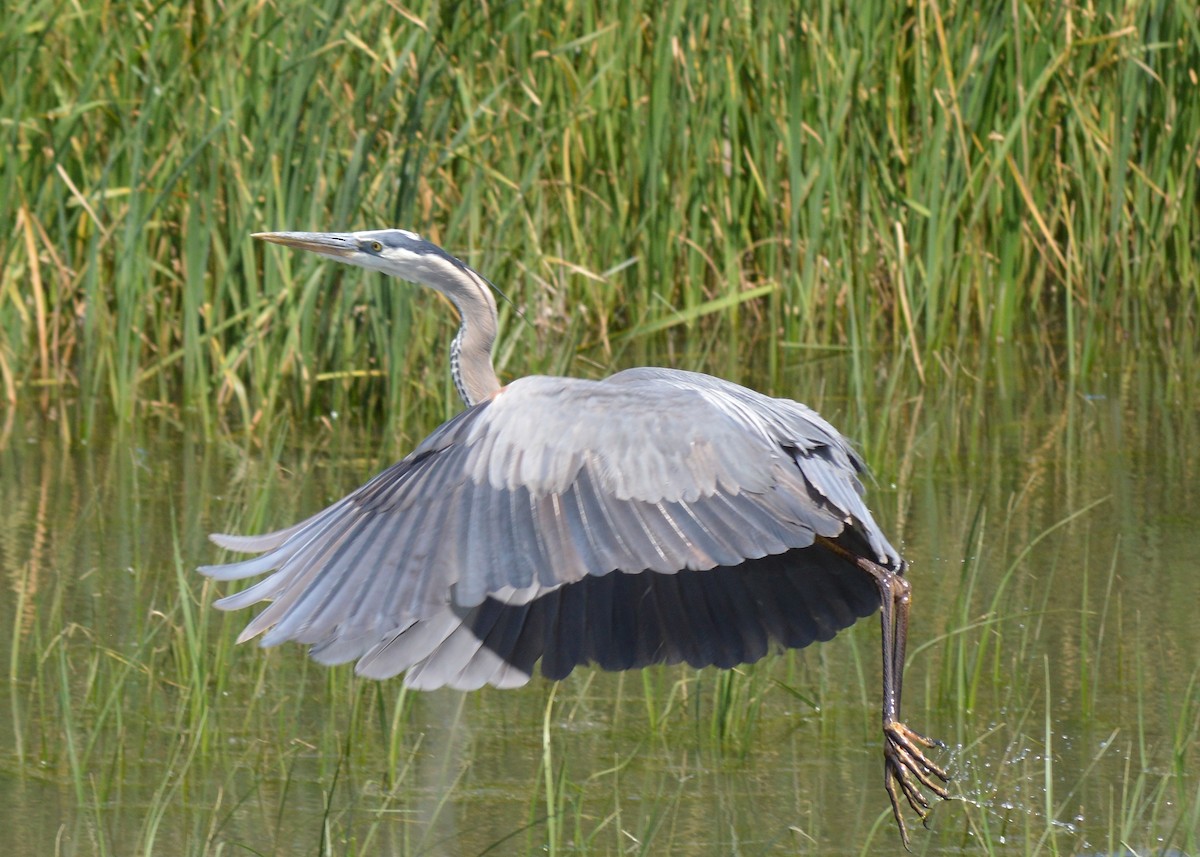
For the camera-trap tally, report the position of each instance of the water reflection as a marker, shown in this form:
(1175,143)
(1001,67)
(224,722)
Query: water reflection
(1052,532)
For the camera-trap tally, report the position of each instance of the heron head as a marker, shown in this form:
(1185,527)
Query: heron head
(393,251)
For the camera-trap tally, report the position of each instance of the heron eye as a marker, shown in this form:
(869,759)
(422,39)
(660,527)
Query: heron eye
(376,246)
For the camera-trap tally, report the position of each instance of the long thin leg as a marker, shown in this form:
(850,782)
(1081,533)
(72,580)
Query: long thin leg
(906,768)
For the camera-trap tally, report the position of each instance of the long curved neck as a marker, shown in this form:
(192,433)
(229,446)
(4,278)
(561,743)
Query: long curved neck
(471,351)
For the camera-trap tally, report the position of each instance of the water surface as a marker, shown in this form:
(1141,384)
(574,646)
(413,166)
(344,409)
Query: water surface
(1053,532)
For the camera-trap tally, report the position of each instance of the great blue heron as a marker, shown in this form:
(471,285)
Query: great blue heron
(656,516)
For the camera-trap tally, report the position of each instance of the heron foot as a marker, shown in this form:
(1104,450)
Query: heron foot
(907,769)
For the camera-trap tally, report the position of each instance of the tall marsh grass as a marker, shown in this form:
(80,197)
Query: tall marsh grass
(697,176)
(954,208)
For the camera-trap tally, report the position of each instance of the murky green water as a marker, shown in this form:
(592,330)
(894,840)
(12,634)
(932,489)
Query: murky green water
(1053,533)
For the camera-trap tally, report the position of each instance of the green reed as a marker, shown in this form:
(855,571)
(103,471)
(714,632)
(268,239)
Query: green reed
(914,176)
(905,190)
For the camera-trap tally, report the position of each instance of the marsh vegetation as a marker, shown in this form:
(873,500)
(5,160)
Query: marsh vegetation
(970,239)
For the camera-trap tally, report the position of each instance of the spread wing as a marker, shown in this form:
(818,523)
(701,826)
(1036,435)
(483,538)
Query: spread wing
(654,516)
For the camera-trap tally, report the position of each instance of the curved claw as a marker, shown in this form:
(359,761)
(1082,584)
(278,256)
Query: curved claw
(905,762)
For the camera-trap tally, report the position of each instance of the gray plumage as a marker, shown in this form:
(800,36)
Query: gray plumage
(655,516)
(651,470)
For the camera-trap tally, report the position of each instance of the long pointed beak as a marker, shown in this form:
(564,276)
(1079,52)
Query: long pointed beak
(339,245)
